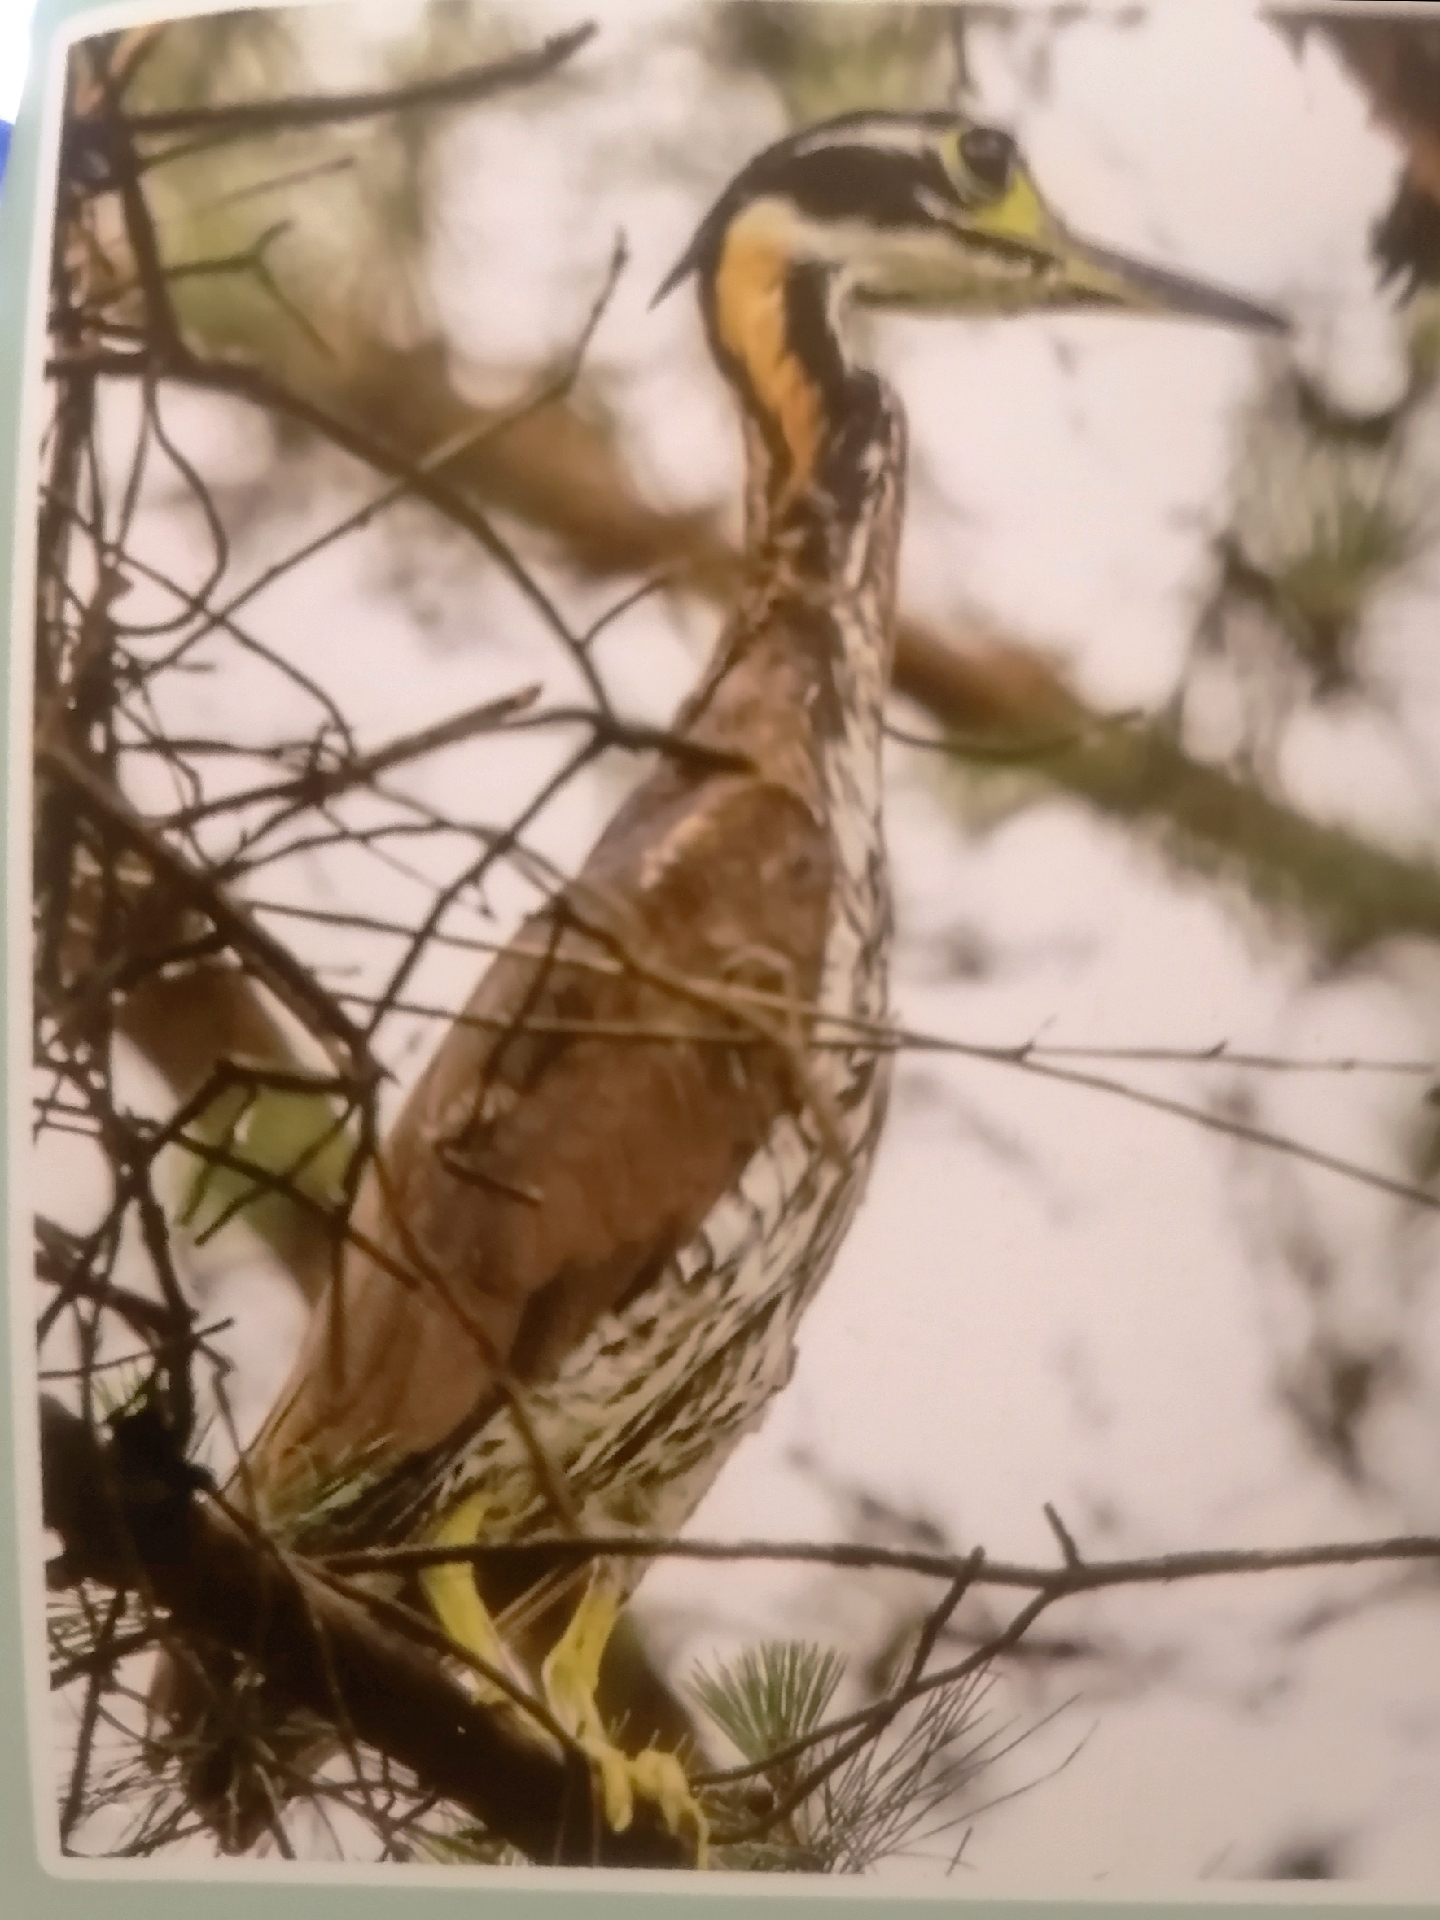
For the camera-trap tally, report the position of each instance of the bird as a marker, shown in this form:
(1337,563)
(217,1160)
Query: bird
(580,1258)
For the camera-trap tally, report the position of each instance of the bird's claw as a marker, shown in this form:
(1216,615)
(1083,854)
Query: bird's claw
(650,1776)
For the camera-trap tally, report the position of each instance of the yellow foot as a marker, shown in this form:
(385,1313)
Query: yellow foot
(659,1777)
(455,1599)
(570,1675)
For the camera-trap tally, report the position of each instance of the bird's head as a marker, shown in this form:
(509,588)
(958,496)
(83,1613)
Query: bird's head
(925,211)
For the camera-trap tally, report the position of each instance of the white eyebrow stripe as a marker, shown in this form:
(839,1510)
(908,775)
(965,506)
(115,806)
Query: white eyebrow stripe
(898,136)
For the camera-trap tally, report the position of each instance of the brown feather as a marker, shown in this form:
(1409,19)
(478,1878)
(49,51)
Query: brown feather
(548,1173)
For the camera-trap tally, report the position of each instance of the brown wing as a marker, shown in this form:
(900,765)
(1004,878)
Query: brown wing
(540,1173)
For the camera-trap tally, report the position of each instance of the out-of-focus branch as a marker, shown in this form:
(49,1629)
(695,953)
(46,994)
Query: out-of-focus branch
(293,985)
(1343,890)
(1397,61)
(185,1018)
(181,1023)
(324,1649)
(243,119)
(558,473)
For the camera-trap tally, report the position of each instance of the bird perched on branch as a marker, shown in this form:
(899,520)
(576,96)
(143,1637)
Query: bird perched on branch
(580,1261)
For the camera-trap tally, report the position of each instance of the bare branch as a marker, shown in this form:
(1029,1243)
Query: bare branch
(303,1633)
(1080,1576)
(319,784)
(244,119)
(292,984)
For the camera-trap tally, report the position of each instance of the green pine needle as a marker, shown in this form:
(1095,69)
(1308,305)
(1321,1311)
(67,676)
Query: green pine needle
(771,1695)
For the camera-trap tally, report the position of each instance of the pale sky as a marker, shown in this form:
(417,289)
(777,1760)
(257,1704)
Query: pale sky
(14,49)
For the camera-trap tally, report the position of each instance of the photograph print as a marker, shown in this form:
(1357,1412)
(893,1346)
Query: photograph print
(734,1138)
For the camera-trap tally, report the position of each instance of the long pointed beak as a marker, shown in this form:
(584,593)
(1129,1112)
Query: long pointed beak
(1078,273)
(1087,274)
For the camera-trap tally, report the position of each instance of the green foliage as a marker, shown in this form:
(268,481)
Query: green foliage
(1326,510)
(120,1389)
(302,1139)
(1322,591)
(214,58)
(833,57)
(907,1791)
(900,1789)
(211,201)
(771,1695)
(764,1701)
(275,238)
(1422,318)
(1312,881)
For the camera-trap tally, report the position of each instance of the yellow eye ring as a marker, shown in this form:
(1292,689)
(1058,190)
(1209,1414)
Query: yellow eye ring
(980,161)
(953,160)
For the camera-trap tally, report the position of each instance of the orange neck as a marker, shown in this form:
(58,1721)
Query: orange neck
(772,328)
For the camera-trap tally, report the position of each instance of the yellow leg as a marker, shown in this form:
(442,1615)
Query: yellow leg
(455,1599)
(570,1676)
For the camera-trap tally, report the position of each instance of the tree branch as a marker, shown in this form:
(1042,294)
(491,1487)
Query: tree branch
(1078,1576)
(556,472)
(293,985)
(318,784)
(312,1641)
(848,1735)
(243,119)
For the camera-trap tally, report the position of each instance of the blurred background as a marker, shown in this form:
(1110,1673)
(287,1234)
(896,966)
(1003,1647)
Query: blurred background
(1172,599)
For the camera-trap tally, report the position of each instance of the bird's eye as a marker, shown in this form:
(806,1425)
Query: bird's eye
(990,156)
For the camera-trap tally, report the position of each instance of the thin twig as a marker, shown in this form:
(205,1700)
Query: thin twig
(1085,1576)
(244,119)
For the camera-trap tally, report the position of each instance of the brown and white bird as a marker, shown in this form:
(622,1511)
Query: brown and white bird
(582,1257)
